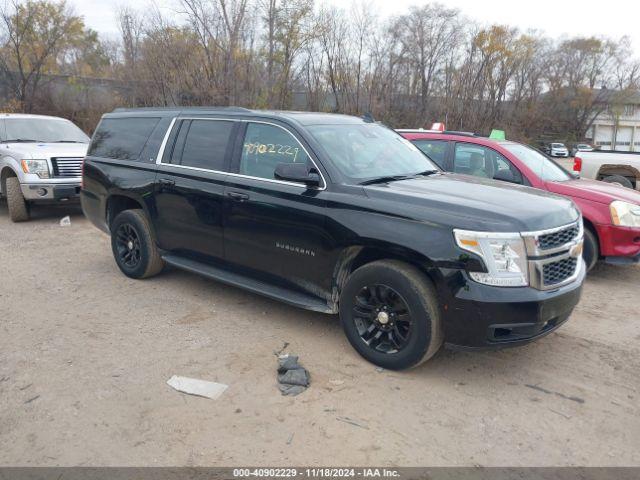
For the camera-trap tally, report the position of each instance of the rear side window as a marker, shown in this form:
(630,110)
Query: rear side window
(122,138)
(436,150)
(202,144)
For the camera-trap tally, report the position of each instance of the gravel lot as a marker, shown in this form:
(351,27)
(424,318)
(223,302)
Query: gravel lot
(85,354)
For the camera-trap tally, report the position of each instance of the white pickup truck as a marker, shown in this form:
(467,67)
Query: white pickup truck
(621,168)
(40,161)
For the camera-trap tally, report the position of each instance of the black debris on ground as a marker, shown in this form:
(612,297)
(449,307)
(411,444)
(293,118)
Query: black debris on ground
(293,379)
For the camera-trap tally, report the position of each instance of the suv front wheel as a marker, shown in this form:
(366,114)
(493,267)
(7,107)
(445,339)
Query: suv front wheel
(389,312)
(133,246)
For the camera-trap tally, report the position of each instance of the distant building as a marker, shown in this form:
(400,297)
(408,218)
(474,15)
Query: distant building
(618,126)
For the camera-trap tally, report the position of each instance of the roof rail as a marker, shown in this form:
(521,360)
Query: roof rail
(151,109)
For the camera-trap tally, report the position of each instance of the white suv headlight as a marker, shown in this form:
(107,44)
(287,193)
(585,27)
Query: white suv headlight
(37,167)
(625,214)
(504,254)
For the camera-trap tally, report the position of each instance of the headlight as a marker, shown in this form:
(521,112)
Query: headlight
(504,254)
(37,167)
(625,214)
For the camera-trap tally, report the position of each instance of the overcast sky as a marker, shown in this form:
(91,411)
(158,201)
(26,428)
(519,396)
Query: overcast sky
(612,18)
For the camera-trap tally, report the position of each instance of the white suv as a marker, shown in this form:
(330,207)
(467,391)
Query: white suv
(40,161)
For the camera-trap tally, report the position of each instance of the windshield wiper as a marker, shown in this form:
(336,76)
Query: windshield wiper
(393,178)
(20,140)
(385,179)
(426,173)
(67,141)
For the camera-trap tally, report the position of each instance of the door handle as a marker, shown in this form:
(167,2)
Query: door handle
(238,197)
(167,182)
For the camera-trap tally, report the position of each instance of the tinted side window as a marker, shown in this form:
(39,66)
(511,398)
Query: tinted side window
(205,144)
(122,138)
(265,146)
(483,162)
(175,153)
(436,150)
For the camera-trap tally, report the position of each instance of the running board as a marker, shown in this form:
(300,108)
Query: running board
(291,297)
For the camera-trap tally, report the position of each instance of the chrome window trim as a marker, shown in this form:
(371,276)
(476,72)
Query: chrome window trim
(164,142)
(163,146)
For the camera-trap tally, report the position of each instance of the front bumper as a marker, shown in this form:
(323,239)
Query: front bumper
(619,242)
(559,154)
(51,192)
(479,316)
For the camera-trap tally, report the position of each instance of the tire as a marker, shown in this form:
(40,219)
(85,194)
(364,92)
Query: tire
(400,287)
(18,208)
(591,251)
(618,180)
(134,248)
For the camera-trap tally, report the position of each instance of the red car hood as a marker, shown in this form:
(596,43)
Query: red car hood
(595,191)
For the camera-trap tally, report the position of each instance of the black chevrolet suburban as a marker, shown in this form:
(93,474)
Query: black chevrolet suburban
(335,214)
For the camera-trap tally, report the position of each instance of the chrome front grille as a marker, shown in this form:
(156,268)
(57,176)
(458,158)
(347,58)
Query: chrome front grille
(555,255)
(558,238)
(554,273)
(67,167)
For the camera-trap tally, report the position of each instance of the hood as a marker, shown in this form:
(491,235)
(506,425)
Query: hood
(474,203)
(47,150)
(594,191)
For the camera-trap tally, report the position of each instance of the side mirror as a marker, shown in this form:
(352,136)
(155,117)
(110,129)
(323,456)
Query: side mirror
(505,175)
(297,172)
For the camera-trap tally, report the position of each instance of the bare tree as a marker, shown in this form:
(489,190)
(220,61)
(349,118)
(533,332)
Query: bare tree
(218,25)
(36,33)
(427,35)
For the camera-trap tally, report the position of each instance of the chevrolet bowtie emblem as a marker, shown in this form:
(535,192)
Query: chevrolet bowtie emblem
(576,250)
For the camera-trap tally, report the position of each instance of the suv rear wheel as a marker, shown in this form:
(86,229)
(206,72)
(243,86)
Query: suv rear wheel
(389,312)
(18,208)
(133,246)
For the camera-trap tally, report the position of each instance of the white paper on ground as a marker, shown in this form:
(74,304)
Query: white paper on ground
(193,386)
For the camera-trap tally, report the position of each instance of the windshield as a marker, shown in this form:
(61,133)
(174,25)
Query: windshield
(542,166)
(368,151)
(557,145)
(44,130)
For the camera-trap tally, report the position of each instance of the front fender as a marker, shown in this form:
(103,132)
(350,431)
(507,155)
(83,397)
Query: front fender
(9,167)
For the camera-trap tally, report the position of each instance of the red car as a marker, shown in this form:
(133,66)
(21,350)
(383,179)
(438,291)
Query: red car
(611,213)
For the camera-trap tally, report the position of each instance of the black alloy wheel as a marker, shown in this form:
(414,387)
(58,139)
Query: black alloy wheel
(382,319)
(133,245)
(390,313)
(128,245)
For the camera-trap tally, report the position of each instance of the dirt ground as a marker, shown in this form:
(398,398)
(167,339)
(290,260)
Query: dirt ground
(85,354)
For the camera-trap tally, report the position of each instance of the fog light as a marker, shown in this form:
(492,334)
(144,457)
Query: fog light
(42,192)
